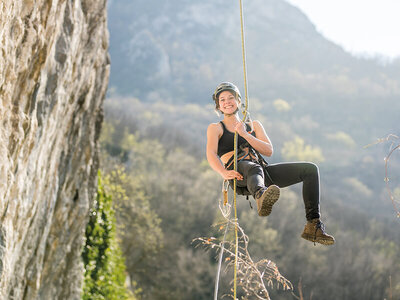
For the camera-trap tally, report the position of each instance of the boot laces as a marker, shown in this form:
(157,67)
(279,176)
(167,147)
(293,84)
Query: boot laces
(321,226)
(259,193)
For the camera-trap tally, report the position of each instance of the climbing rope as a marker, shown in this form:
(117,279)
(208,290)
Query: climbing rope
(246,117)
(245,113)
(235,148)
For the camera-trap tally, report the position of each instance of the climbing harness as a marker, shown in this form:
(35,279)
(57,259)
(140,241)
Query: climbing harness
(255,156)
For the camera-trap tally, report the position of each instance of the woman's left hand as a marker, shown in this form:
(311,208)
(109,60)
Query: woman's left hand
(240,128)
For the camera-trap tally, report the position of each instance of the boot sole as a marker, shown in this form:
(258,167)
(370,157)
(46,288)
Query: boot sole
(270,196)
(310,237)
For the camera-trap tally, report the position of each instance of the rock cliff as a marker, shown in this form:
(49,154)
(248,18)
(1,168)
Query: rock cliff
(54,70)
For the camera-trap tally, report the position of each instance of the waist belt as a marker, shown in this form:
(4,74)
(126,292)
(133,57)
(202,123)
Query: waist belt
(242,155)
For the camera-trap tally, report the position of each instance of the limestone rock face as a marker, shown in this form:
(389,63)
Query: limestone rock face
(54,69)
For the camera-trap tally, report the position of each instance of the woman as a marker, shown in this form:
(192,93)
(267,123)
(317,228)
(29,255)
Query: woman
(262,183)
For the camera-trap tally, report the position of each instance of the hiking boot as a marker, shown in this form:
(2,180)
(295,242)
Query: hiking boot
(314,231)
(266,198)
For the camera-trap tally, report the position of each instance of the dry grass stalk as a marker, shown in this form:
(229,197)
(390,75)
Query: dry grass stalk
(253,277)
(395,145)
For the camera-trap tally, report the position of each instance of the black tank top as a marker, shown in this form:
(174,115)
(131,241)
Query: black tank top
(225,143)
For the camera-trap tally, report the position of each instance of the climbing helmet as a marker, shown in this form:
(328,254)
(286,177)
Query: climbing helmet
(225,86)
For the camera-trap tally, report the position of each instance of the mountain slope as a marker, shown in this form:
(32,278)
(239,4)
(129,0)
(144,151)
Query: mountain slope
(177,51)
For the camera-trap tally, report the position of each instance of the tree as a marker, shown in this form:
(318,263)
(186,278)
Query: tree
(104,264)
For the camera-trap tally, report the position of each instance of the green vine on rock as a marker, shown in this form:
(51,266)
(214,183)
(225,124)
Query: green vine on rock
(104,276)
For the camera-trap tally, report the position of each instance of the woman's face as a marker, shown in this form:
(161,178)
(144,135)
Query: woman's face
(227,102)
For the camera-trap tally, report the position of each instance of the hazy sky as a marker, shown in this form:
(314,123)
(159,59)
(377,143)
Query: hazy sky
(361,27)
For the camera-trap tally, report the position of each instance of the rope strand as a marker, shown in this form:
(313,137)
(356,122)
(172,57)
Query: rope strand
(235,149)
(246,117)
(221,254)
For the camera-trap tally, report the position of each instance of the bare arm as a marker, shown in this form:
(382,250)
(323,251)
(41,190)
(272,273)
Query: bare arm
(260,142)
(213,132)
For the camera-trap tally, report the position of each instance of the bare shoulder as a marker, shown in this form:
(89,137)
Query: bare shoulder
(257,125)
(214,127)
(214,130)
(259,129)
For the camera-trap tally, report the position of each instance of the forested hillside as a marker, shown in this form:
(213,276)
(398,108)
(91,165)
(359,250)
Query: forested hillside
(168,196)
(316,102)
(306,90)
(178,51)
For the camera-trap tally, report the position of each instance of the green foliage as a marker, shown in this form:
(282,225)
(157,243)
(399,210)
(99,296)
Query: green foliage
(137,224)
(340,104)
(159,209)
(281,105)
(298,150)
(355,184)
(165,194)
(343,138)
(102,257)
(261,235)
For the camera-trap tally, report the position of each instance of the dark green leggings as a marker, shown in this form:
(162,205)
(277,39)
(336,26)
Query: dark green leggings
(283,175)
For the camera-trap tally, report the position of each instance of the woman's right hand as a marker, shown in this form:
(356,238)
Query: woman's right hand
(231,174)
